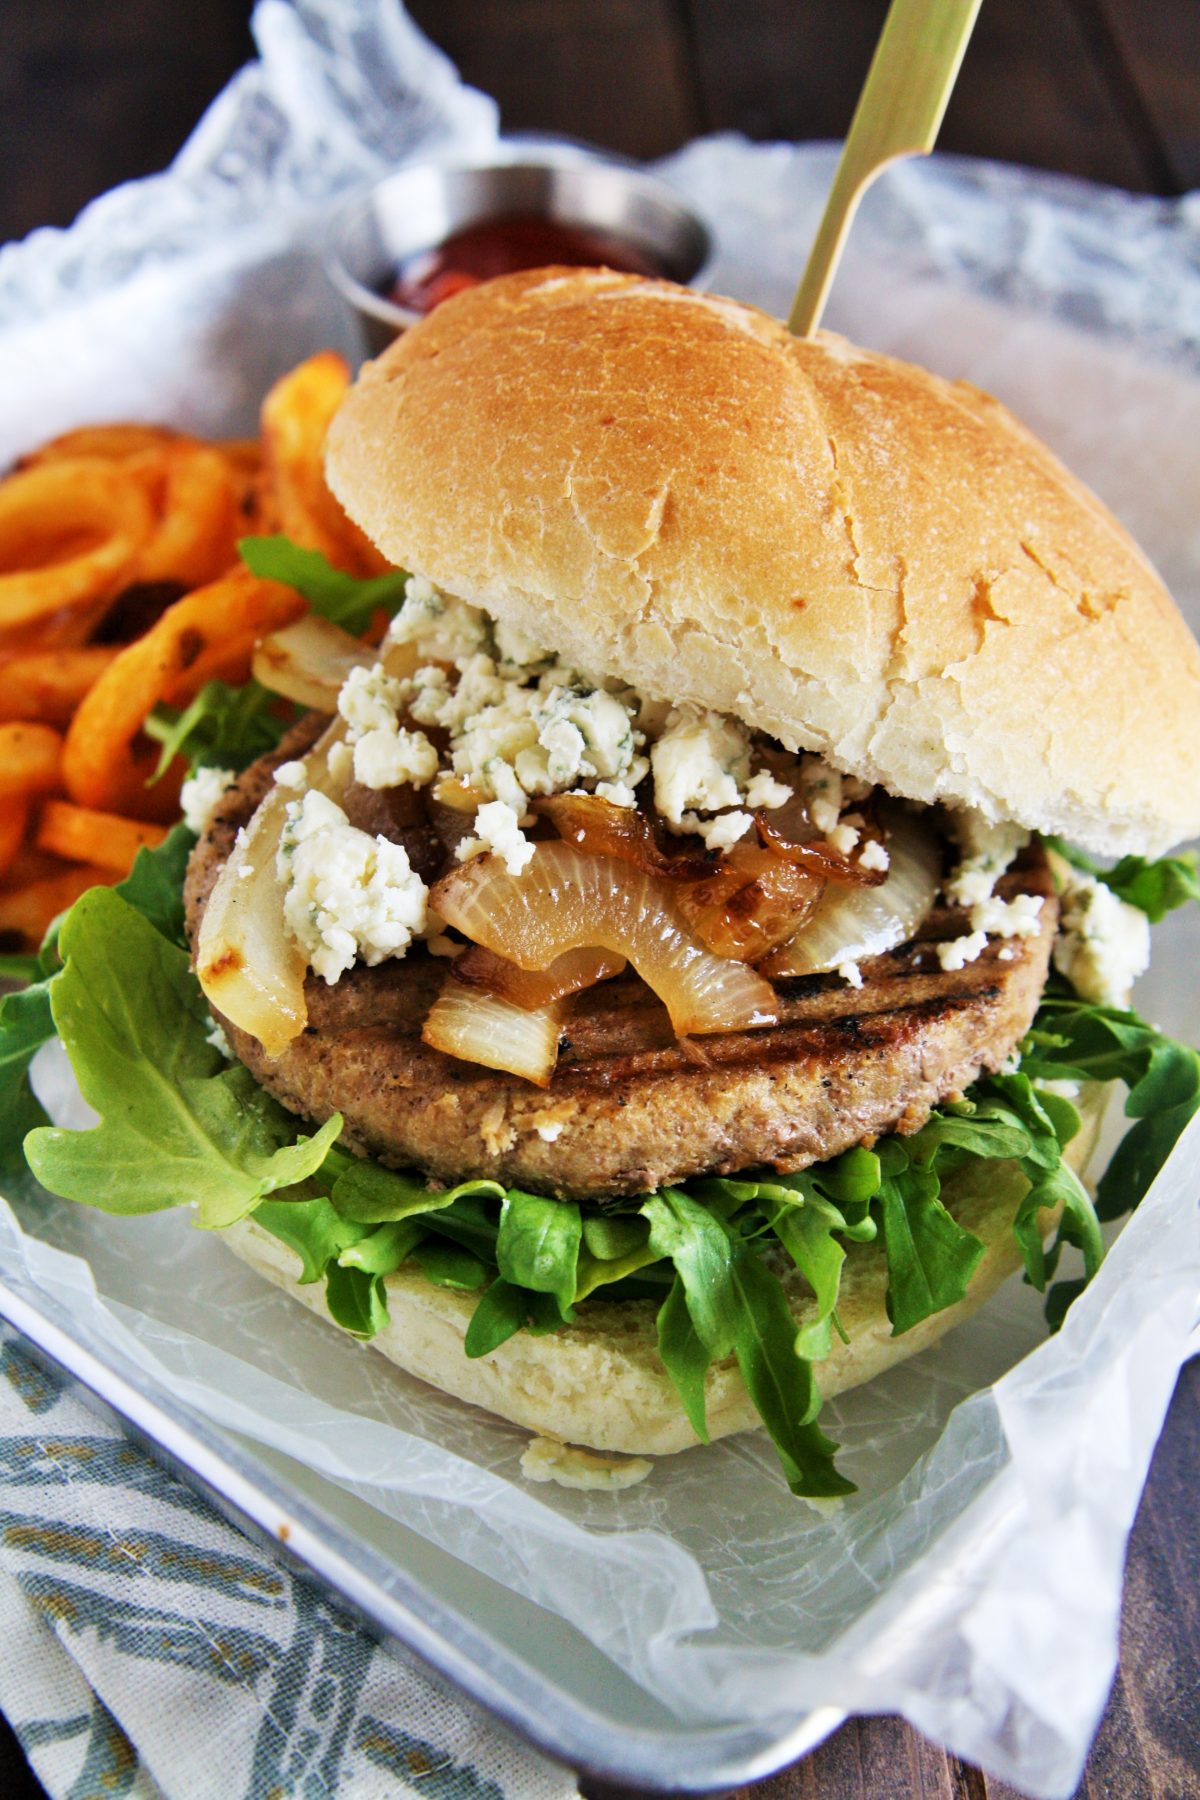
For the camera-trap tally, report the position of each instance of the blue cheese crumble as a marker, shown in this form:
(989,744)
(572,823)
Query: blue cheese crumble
(348,896)
(1103,943)
(200,794)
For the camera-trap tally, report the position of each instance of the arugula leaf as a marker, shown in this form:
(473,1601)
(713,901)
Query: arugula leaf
(468,1222)
(684,1356)
(930,1258)
(384,1248)
(685,1231)
(224,727)
(373,1195)
(503,1310)
(538,1245)
(356,1301)
(450,1266)
(26,1023)
(1155,887)
(20,967)
(313,1228)
(178,1126)
(807,1234)
(1075,1041)
(154,885)
(779,1382)
(347,600)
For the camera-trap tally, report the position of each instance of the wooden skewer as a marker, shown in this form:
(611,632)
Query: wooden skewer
(899,113)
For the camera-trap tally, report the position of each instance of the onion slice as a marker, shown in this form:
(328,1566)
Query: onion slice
(480,1028)
(591,823)
(751,904)
(850,923)
(531,988)
(568,900)
(248,963)
(819,857)
(309,661)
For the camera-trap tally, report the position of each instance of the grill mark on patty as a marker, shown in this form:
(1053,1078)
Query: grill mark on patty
(637,1109)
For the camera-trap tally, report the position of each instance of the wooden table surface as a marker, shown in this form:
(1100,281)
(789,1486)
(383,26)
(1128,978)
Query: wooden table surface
(1105,89)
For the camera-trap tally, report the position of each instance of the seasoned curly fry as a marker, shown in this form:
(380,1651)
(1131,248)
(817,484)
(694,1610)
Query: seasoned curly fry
(30,760)
(295,418)
(50,684)
(109,442)
(80,834)
(27,909)
(194,493)
(71,534)
(208,634)
(14,815)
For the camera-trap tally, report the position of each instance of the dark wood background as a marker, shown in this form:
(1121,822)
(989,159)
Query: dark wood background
(1105,89)
(1108,89)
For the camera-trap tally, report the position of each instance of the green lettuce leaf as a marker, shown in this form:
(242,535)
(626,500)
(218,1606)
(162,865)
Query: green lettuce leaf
(222,728)
(505,1309)
(1155,887)
(779,1382)
(930,1258)
(1074,1041)
(349,601)
(26,1023)
(372,1195)
(684,1356)
(356,1300)
(154,885)
(538,1245)
(313,1228)
(178,1125)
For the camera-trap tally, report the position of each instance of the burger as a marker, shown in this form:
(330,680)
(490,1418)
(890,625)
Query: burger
(670,976)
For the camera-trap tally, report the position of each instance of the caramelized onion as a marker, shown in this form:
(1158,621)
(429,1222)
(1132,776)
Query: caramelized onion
(531,988)
(247,961)
(625,832)
(850,923)
(480,1028)
(753,902)
(568,900)
(309,661)
(817,856)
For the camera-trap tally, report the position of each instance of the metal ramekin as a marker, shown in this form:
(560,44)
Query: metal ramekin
(422,204)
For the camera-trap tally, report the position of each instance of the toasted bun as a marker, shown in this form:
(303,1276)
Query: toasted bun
(600,1382)
(844,551)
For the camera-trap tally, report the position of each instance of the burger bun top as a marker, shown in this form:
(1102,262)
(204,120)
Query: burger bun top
(846,552)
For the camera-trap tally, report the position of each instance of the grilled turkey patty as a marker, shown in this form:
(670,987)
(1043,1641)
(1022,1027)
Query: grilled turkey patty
(628,1108)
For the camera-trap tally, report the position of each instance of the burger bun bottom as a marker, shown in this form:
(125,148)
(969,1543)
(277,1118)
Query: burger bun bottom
(600,1383)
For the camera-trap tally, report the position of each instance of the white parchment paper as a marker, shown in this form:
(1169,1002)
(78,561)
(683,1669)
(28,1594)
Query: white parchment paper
(973,1583)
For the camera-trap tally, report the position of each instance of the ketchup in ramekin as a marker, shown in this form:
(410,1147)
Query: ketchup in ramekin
(501,247)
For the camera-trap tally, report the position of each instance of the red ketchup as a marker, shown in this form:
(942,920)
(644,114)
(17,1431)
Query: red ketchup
(502,246)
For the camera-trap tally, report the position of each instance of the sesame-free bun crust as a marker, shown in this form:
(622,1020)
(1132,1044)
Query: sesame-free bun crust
(601,1383)
(848,553)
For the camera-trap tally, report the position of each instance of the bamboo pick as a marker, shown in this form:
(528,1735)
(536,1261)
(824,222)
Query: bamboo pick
(899,113)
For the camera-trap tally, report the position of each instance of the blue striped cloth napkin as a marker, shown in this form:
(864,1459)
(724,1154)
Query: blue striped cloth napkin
(148,1649)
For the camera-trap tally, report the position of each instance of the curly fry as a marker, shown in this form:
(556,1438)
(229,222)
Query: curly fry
(30,759)
(71,533)
(208,634)
(50,684)
(79,834)
(28,909)
(14,815)
(194,494)
(295,419)
(108,442)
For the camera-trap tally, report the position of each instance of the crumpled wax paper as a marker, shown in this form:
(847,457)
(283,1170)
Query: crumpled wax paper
(973,1583)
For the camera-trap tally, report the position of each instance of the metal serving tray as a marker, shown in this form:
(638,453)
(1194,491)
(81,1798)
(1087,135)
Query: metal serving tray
(496,1647)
